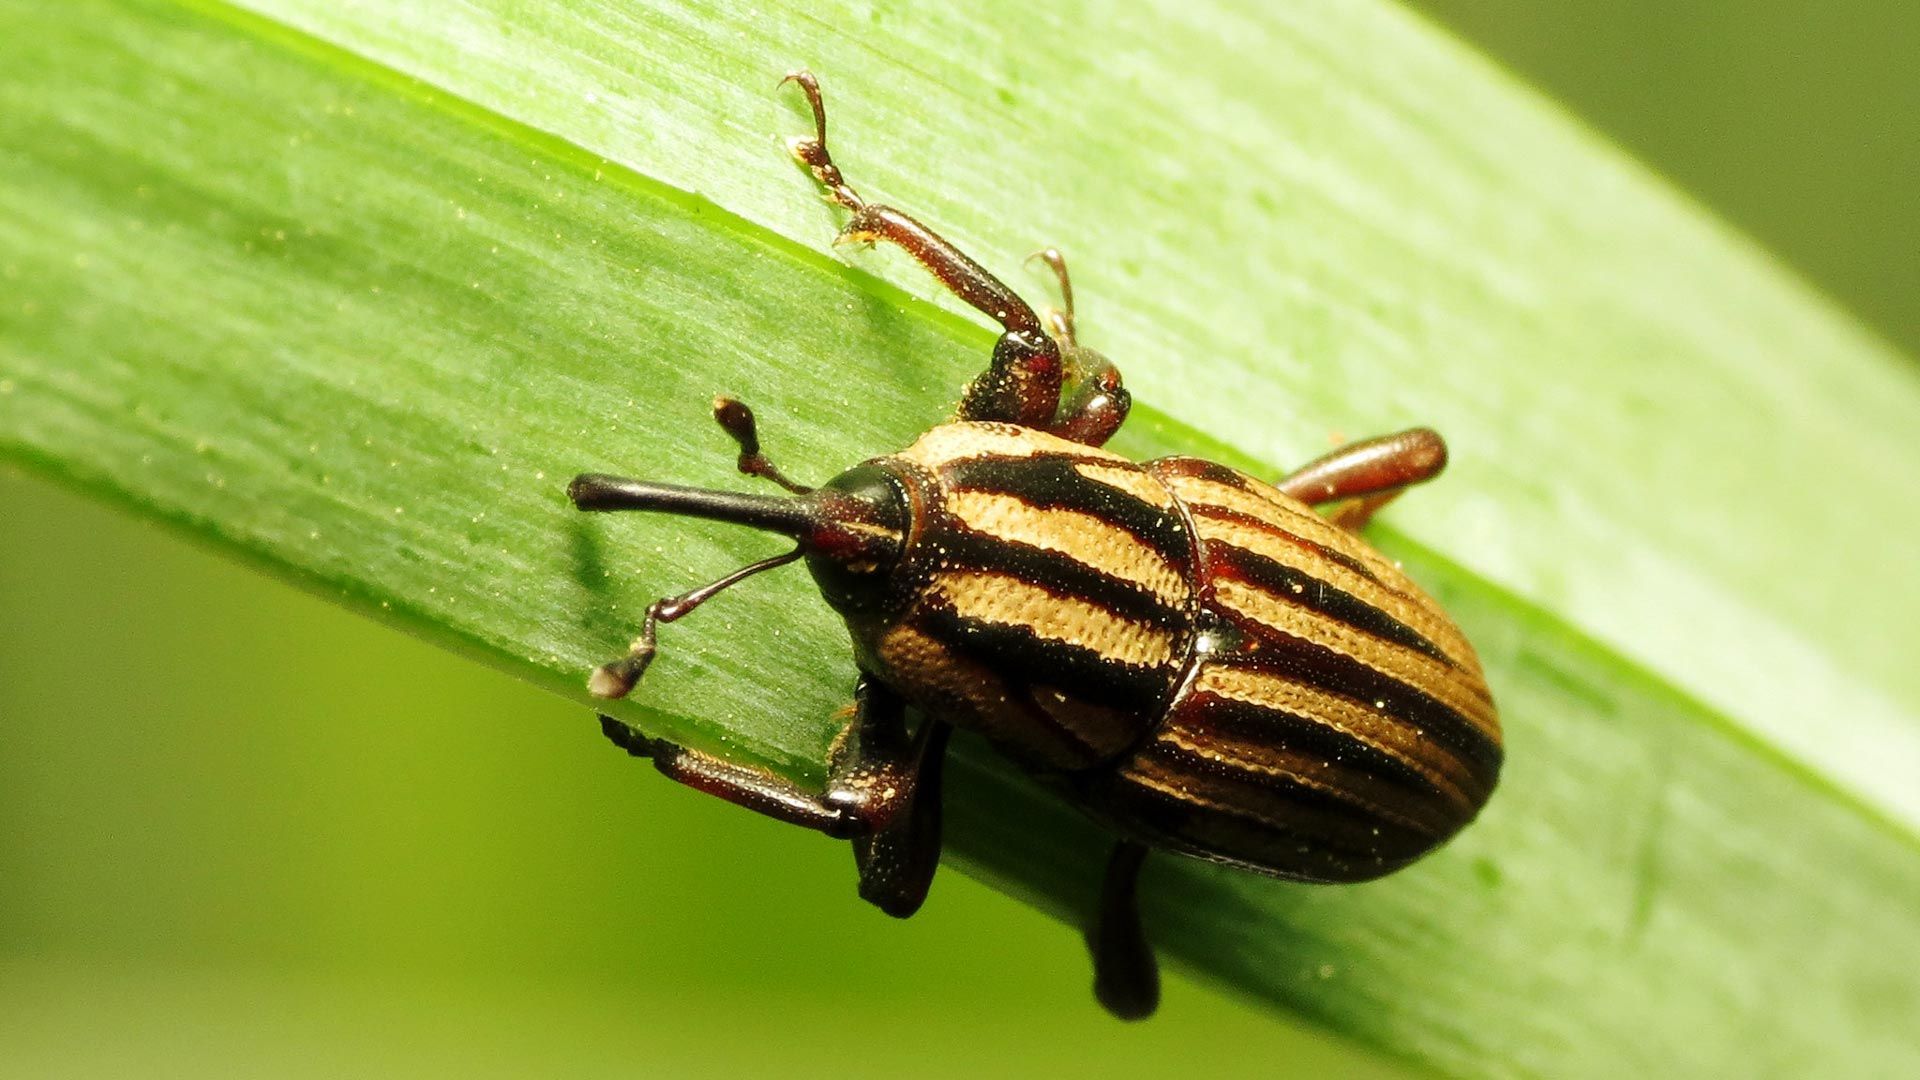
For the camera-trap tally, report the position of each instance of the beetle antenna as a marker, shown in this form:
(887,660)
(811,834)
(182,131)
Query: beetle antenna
(616,678)
(736,420)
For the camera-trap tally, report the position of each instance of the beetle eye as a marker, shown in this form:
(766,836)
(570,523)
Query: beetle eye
(857,539)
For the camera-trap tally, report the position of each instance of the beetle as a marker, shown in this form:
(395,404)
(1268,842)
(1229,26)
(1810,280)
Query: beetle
(1197,659)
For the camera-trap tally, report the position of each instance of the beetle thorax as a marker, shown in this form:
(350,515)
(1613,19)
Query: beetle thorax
(1043,595)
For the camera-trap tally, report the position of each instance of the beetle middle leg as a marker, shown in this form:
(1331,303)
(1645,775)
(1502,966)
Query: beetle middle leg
(1094,404)
(1022,384)
(882,792)
(1126,978)
(1367,475)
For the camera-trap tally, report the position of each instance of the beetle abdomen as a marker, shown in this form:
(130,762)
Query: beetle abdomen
(1337,725)
(1053,592)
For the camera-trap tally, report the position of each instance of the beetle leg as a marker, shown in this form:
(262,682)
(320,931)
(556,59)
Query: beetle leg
(1095,404)
(1022,384)
(743,785)
(882,792)
(1370,473)
(1126,978)
(1060,319)
(873,755)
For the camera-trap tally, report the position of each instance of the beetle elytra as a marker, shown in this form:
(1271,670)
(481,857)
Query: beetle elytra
(1196,658)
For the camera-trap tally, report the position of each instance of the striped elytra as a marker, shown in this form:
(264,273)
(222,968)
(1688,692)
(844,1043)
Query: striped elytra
(1209,664)
(1200,660)
(1339,730)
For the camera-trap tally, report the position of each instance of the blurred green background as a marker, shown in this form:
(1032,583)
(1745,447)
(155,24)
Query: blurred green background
(243,831)
(1797,122)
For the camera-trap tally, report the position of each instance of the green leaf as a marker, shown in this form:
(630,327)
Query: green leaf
(353,291)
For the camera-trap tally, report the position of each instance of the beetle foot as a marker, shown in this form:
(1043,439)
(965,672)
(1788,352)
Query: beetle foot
(626,738)
(616,678)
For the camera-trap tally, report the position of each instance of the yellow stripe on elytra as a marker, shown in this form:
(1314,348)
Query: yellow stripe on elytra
(1370,728)
(1091,541)
(961,441)
(1130,479)
(1332,780)
(1421,617)
(1005,600)
(1456,690)
(1204,792)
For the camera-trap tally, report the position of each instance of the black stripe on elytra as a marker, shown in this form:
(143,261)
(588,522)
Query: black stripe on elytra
(1220,833)
(1246,722)
(1343,815)
(960,547)
(1199,468)
(1280,532)
(1293,586)
(1336,673)
(1020,655)
(1051,483)
(1337,838)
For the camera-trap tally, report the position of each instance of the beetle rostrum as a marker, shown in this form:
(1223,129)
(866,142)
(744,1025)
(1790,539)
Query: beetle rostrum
(1196,658)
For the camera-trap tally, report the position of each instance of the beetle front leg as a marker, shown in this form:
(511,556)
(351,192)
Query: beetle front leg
(882,792)
(1022,384)
(1370,473)
(873,755)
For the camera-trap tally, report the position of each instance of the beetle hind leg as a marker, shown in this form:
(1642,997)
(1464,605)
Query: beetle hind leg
(1367,475)
(1126,978)
(882,792)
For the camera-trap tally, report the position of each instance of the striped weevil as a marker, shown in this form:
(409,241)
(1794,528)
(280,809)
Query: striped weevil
(1195,658)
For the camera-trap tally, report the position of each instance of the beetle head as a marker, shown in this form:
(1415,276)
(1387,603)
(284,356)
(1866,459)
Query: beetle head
(859,529)
(851,532)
